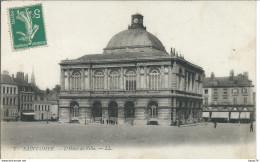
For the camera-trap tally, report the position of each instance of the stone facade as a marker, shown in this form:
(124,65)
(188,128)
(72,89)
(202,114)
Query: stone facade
(131,82)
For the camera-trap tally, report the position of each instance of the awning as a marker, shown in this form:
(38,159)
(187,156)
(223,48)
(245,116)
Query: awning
(28,113)
(219,115)
(245,115)
(205,114)
(234,115)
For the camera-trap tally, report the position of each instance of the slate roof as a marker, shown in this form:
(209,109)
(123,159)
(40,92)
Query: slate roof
(121,56)
(22,82)
(135,38)
(7,79)
(52,96)
(237,81)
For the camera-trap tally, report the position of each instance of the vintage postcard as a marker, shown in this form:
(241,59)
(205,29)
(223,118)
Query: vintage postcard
(128,79)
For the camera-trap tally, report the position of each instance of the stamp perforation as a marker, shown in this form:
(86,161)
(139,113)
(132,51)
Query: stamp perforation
(12,36)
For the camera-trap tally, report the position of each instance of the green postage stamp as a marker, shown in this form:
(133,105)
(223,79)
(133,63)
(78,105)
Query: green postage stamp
(27,27)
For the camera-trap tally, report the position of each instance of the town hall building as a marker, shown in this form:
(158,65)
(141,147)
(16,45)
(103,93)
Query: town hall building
(134,80)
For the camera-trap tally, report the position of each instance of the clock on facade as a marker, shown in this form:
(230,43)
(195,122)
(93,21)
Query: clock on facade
(135,20)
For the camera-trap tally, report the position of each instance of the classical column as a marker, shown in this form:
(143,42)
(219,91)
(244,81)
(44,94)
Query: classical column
(145,78)
(69,80)
(162,77)
(138,83)
(82,79)
(62,80)
(106,80)
(89,79)
(170,77)
(122,78)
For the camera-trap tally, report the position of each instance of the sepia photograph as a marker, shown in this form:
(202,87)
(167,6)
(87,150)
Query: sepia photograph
(128,80)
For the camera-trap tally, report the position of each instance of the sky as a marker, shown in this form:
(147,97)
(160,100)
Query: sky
(217,36)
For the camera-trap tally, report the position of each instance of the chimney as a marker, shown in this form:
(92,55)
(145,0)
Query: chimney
(245,74)
(172,51)
(20,75)
(231,77)
(26,78)
(212,76)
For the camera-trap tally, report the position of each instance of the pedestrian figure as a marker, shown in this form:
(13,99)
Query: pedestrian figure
(251,127)
(215,124)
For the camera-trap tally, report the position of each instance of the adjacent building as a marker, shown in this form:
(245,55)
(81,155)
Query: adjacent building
(26,96)
(228,99)
(135,80)
(9,97)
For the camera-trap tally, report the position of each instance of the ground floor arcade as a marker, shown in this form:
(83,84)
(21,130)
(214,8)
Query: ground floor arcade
(130,110)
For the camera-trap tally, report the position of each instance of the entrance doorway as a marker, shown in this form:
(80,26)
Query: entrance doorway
(129,110)
(112,109)
(96,111)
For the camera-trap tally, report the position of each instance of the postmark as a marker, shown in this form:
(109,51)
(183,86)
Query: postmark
(27,27)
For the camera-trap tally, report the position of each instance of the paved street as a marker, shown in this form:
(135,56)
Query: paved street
(71,136)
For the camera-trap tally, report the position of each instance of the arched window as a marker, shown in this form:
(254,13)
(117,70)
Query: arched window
(154,79)
(96,110)
(99,81)
(114,80)
(130,80)
(74,109)
(152,109)
(129,110)
(112,109)
(76,81)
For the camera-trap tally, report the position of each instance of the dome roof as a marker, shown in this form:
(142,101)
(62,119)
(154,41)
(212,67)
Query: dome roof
(134,38)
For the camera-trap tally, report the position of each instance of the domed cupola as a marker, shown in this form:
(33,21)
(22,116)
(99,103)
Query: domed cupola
(134,40)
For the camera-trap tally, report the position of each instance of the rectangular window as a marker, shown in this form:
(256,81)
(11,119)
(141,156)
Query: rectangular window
(35,107)
(225,91)
(48,107)
(7,100)
(224,98)
(245,100)
(215,99)
(206,91)
(14,101)
(42,107)
(215,91)
(244,90)
(206,101)
(31,98)
(11,101)
(3,89)
(235,91)
(14,90)
(11,90)
(39,107)
(235,100)
(3,101)
(7,90)
(45,107)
